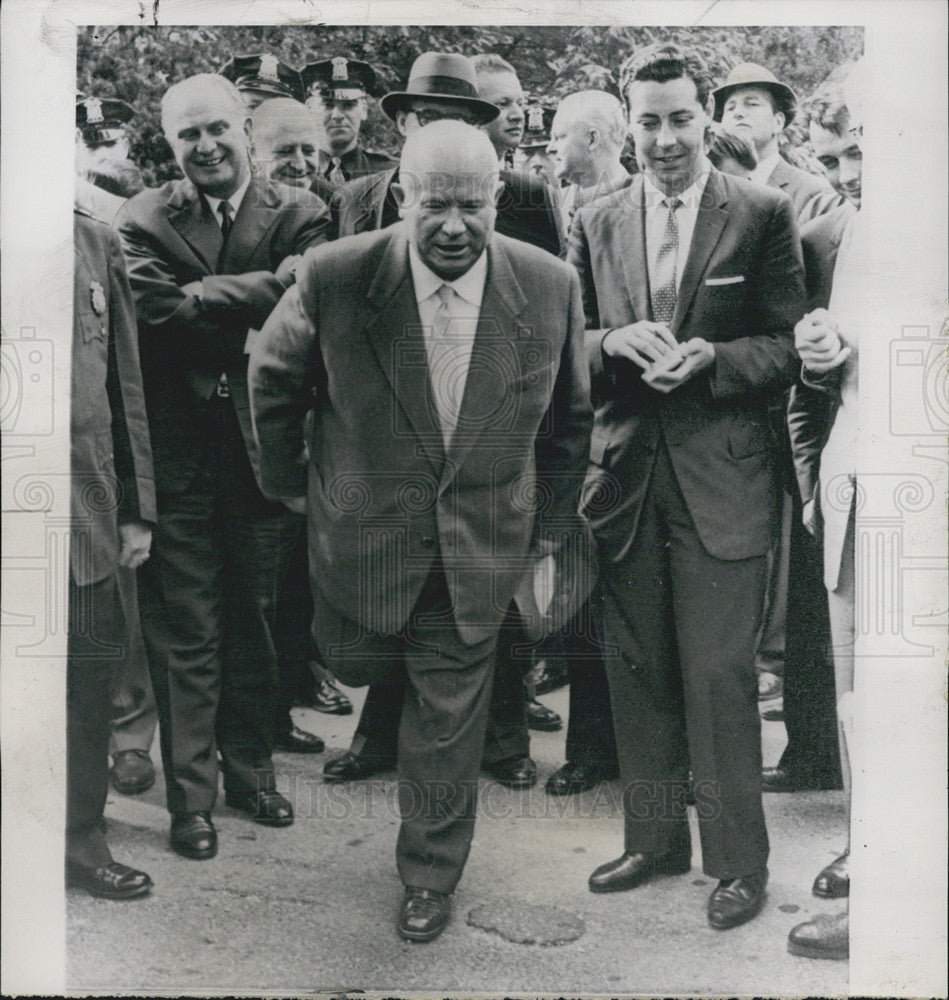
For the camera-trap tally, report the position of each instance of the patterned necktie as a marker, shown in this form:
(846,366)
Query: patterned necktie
(664,275)
(443,366)
(226,222)
(335,173)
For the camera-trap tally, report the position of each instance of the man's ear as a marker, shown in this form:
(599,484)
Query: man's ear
(398,192)
(783,118)
(498,188)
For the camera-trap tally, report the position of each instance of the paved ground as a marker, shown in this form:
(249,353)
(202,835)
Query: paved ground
(312,907)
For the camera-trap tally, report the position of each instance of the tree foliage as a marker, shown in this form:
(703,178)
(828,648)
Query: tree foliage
(137,64)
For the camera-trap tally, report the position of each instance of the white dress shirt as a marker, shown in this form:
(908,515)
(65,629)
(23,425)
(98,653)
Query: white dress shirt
(449,360)
(234,200)
(762,173)
(657,215)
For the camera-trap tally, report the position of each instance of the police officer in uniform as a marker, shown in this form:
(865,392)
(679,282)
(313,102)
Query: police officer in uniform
(337,92)
(262,76)
(531,154)
(106,175)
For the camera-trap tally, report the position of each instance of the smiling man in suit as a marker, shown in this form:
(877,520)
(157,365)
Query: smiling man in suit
(692,287)
(444,366)
(209,257)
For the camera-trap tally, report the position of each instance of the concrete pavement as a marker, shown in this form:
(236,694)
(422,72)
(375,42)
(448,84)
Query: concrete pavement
(312,907)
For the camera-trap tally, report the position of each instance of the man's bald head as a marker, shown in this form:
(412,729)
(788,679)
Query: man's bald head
(286,141)
(587,137)
(447,190)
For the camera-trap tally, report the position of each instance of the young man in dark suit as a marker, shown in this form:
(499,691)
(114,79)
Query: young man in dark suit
(112,513)
(209,257)
(444,368)
(692,287)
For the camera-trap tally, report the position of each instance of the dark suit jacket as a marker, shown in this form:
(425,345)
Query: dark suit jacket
(742,290)
(810,411)
(810,195)
(171,239)
(526,208)
(384,498)
(110,455)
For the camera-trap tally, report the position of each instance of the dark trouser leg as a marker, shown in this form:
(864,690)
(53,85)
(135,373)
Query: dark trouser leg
(507,736)
(812,755)
(291,635)
(134,716)
(94,650)
(377,732)
(590,738)
(181,605)
(258,537)
(441,740)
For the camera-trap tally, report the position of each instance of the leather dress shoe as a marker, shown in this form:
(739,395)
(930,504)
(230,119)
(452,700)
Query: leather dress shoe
(326,697)
(542,718)
(631,870)
(574,777)
(516,772)
(269,808)
(548,675)
(424,914)
(299,741)
(111,881)
(823,936)
(193,835)
(736,900)
(132,772)
(354,767)
(833,882)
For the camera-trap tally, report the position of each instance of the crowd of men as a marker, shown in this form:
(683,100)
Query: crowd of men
(508,411)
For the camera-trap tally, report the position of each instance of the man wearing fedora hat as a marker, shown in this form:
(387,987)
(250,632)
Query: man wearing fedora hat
(754,104)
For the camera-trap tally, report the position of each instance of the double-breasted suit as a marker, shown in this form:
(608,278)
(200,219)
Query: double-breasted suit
(681,493)
(413,544)
(208,591)
(111,483)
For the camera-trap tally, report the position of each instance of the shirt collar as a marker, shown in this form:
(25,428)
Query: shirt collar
(691,196)
(762,173)
(235,199)
(470,286)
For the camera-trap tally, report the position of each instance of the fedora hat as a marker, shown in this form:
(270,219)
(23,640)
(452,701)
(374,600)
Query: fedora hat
(441,76)
(752,75)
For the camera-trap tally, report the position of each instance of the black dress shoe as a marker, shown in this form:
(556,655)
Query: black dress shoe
(268,808)
(823,936)
(548,675)
(193,835)
(736,900)
(542,718)
(111,881)
(299,741)
(833,882)
(132,772)
(354,767)
(631,870)
(517,772)
(573,778)
(326,697)
(424,914)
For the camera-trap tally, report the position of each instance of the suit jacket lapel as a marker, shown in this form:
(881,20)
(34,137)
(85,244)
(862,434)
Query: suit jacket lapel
(632,243)
(256,215)
(191,216)
(485,385)
(708,230)
(395,333)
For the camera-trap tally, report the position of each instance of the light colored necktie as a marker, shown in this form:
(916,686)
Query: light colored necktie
(335,173)
(445,361)
(664,276)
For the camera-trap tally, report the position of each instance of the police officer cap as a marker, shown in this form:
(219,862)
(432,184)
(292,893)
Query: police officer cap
(537,122)
(263,73)
(338,79)
(102,119)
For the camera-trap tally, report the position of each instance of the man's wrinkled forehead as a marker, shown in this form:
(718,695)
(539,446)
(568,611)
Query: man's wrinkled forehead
(450,185)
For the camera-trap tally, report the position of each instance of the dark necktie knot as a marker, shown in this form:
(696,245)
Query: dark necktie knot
(225,209)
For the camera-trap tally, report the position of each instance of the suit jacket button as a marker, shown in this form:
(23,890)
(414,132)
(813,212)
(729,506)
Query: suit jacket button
(428,542)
